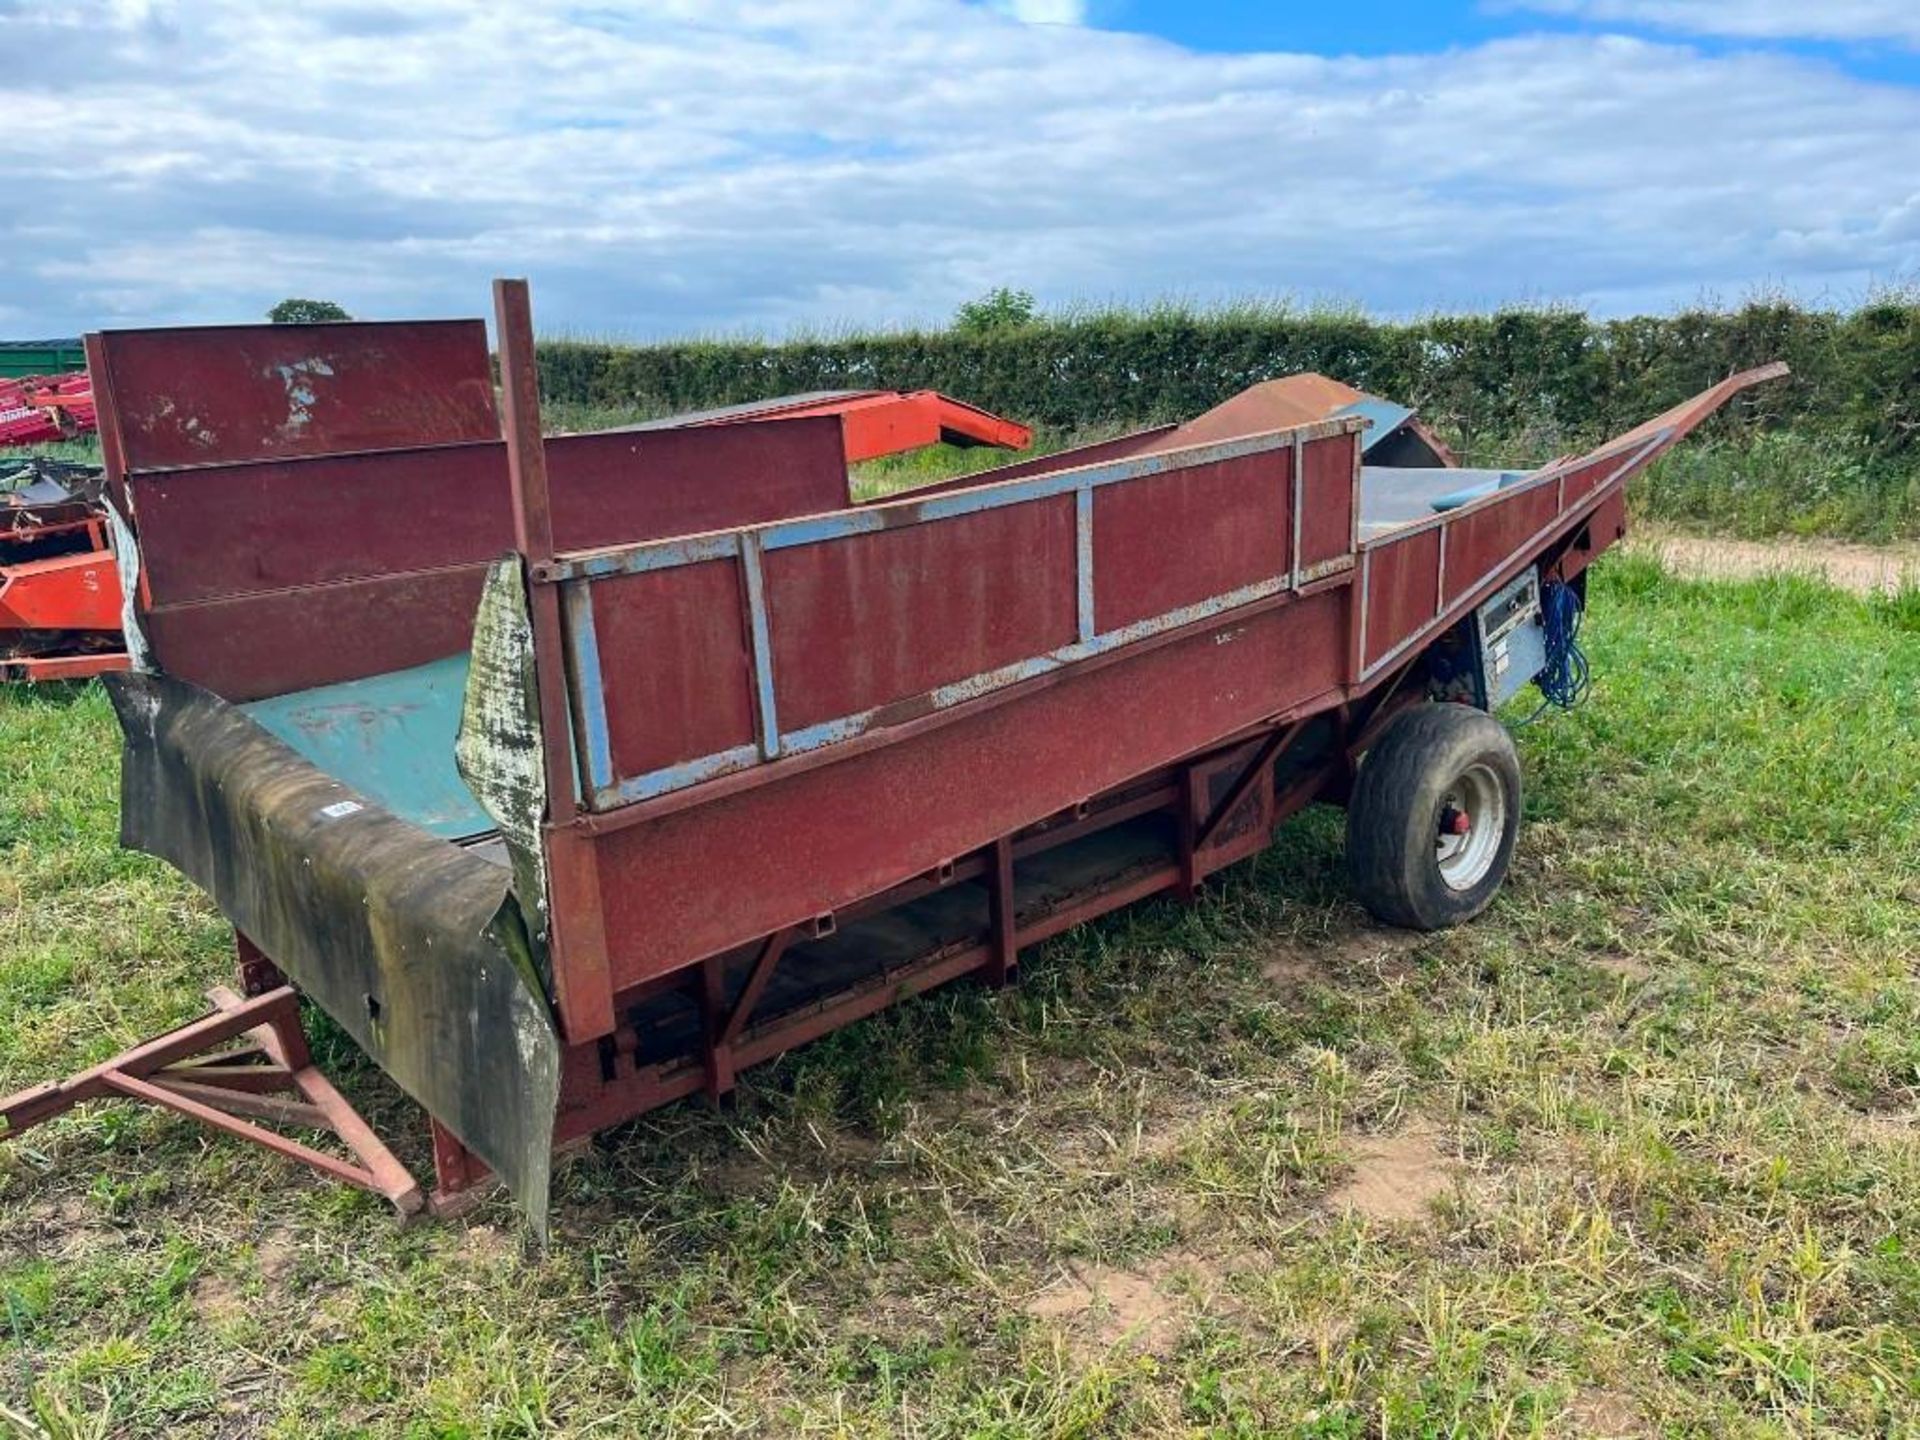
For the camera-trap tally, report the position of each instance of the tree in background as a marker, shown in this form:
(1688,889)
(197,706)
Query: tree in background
(1000,309)
(305,312)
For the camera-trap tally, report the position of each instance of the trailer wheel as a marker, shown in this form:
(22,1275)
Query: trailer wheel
(1433,817)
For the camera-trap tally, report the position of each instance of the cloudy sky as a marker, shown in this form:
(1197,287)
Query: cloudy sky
(716,166)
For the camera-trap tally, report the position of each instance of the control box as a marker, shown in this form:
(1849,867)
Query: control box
(1509,641)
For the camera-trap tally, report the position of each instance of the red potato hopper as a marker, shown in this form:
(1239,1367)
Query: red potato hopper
(653,756)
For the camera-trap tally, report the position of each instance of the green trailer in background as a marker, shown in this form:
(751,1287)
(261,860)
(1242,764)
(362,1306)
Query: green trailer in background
(21,358)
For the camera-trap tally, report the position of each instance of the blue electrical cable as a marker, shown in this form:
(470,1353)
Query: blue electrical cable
(1566,677)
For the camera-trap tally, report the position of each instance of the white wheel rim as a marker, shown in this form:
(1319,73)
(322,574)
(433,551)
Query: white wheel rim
(1479,796)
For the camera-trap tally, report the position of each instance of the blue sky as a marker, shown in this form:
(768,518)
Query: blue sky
(666,167)
(1360,27)
(1388,27)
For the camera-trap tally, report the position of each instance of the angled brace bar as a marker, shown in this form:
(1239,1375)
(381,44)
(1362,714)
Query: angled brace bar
(764,964)
(251,1104)
(1276,745)
(216,1072)
(216,1091)
(286,1045)
(720,1026)
(138,1089)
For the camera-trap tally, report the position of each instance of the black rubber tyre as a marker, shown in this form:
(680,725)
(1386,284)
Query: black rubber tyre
(1411,782)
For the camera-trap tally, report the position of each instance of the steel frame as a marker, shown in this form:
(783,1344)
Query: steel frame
(608,1084)
(233,1089)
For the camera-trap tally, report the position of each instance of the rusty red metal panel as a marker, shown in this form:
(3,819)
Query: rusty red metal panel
(863,622)
(1605,526)
(867,820)
(1326,517)
(1167,541)
(1479,541)
(237,529)
(676,640)
(220,394)
(249,647)
(1579,483)
(620,486)
(1403,589)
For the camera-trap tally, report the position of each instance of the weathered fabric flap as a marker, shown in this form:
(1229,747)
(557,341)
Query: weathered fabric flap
(414,945)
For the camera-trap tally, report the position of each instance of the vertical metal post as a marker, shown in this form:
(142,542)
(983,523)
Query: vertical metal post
(760,634)
(1298,452)
(1188,833)
(258,974)
(1357,611)
(1004,960)
(716,1049)
(456,1169)
(582,988)
(1359,465)
(1083,562)
(533,531)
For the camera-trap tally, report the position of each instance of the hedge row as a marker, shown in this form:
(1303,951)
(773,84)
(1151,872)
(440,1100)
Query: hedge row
(1485,380)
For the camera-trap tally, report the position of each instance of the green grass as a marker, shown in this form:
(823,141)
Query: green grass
(1668,1085)
(85,450)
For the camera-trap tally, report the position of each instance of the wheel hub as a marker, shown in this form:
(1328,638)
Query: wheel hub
(1468,826)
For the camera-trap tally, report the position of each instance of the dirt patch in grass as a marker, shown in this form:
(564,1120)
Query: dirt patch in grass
(276,1255)
(1598,1414)
(219,1299)
(1861,569)
(1290,969)
(1621,966)
(1397,1177)
(488,1245)
(1144,1308)
(1363,947)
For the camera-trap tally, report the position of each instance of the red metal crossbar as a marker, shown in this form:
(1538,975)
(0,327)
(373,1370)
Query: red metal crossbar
(231,1089)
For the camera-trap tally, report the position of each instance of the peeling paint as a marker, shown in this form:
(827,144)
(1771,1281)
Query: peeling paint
(297,379)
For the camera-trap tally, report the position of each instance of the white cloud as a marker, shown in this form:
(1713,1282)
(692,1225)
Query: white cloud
(713,164)
(1846,20)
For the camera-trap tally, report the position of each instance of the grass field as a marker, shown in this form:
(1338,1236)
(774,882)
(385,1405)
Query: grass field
(1638,1153)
